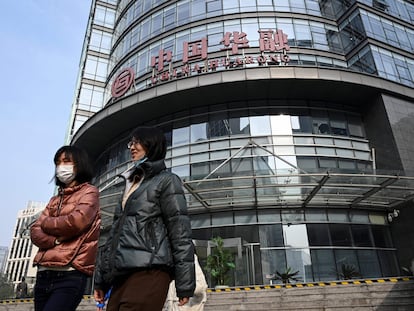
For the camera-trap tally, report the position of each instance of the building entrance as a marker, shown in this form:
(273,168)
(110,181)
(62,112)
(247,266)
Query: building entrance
(246,257)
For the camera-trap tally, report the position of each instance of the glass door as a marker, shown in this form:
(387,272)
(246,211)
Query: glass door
(246,257)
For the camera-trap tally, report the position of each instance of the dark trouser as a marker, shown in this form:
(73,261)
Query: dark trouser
(142,291)
(59,290)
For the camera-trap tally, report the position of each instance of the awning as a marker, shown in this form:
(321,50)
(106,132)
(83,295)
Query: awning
(300,190)
(296,188)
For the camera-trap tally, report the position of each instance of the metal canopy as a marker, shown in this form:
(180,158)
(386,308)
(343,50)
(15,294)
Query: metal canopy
(384,192)
(296,189)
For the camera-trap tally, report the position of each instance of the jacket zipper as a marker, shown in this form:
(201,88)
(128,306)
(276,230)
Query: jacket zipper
(60,201)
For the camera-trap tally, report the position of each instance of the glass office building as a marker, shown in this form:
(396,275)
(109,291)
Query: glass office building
(290,122)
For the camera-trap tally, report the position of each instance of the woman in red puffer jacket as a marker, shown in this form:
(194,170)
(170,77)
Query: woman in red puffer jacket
(66,234)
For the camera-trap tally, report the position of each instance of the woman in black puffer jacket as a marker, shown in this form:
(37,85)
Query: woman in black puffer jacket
(150,241)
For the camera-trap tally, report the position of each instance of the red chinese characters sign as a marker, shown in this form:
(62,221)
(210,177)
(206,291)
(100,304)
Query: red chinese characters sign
(273,47)
(270,41)
(194,50)
(235,40)
(273,41)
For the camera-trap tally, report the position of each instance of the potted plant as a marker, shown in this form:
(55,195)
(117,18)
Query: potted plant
(349,272)
(220,262)
(286,276)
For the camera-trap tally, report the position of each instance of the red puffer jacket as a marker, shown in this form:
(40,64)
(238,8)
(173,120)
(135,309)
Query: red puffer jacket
(73,218)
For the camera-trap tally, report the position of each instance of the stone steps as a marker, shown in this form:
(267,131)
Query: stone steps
(395,294)
(384,296)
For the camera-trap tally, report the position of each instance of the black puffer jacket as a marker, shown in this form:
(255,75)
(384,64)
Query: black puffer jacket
(153,231)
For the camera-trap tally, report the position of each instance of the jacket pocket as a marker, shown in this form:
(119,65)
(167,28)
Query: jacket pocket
(150,235)
(157,239)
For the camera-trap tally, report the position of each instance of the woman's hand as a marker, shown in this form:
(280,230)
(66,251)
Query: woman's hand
(182,301)
(99,296)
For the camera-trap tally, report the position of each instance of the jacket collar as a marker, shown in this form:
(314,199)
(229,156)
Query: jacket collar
(146,169)
(70,190)
(152,168)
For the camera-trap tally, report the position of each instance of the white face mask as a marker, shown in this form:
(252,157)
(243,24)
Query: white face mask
(65,173)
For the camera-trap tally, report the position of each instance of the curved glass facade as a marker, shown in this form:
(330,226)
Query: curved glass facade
(308,25)
(139,35)
(323,139)
(300,161)
(316,242)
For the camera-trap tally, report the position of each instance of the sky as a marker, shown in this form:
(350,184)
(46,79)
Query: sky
(41,43)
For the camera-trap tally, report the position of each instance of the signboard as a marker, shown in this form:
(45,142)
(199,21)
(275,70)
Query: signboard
(273,47)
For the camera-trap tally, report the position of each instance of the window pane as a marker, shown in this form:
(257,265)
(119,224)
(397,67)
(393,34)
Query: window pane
(299,260)
(271,235)
(381,236)
(318,235)
(201,221)
(260,126)
(272,261)
(388,263)
(295,235)
(361,235)
(323,265)
(340,235)
(348,258)
(246,217)
(377,219)
(338,216)
(346,164)
(281,125)
(327,163)
(182,171)
(198,132)
(315,215)
(293,216)
(239,126)
(368,263)
(180,136)
(199,170)
(222,219)
(268,216)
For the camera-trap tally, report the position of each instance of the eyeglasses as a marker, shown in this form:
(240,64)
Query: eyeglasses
(131,143)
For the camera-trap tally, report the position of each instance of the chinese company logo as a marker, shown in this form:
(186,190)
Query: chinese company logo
(122,82)
(272,45)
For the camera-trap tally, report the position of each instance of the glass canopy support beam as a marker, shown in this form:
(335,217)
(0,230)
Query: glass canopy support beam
(315,190)
(369,193)
(224,162)
(195,195)
(252,142)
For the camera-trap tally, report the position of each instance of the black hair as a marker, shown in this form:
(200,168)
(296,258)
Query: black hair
(84,170)
(152,139)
